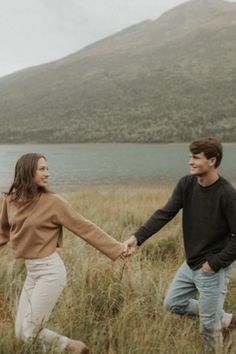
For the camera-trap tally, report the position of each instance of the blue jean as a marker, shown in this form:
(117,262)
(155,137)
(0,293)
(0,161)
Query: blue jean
(212,289)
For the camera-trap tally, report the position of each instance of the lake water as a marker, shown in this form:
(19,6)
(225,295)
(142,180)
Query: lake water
(71,165)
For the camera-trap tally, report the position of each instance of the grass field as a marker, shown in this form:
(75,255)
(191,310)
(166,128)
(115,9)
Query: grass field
(117,308)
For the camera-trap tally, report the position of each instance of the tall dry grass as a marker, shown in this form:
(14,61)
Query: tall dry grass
(117,308)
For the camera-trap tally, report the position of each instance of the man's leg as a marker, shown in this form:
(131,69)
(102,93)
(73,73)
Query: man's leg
(212,289)
(179,295)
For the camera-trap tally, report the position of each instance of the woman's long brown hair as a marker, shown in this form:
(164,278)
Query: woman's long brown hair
(23,186)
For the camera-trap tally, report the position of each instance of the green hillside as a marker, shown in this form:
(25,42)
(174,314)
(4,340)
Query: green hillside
(171,79)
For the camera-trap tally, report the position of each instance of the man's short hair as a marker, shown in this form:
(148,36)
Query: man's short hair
(211,147)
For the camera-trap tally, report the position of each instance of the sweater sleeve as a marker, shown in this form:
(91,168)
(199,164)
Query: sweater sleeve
(161,216)
(68,217)
(228,254)
(4,225)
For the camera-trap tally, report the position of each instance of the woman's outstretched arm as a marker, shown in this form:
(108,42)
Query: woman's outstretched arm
(87,230)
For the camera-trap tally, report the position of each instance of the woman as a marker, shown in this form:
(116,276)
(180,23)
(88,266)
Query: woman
(32,219)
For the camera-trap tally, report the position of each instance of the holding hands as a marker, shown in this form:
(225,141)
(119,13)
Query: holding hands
(129,246)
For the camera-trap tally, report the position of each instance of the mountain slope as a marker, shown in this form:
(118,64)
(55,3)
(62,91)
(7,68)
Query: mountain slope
(171,79)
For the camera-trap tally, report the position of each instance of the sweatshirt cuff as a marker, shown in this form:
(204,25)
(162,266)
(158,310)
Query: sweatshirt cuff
(139,239)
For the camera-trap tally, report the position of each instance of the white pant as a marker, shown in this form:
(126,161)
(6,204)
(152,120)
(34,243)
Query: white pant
(45,280)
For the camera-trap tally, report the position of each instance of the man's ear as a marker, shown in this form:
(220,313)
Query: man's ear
(212,161)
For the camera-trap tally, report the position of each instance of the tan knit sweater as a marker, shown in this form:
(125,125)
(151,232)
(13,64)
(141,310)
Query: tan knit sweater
(35,227)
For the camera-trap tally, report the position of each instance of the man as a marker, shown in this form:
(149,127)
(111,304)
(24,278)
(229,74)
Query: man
(209,230)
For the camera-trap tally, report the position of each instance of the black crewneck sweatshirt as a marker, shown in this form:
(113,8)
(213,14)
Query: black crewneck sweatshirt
(209,221)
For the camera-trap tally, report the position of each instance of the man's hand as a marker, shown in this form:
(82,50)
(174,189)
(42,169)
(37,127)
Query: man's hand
(207,268)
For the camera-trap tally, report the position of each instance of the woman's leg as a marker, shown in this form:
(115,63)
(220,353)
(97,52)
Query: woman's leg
(45,281)
(23,304)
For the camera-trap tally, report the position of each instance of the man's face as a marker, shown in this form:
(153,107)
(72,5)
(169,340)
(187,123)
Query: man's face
(200,165)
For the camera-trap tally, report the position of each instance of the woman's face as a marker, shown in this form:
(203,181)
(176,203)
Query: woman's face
(41,175)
